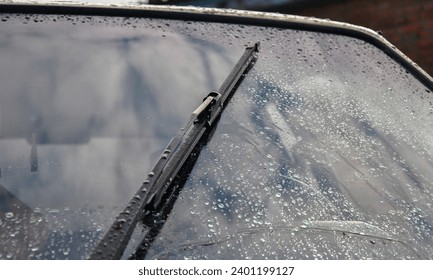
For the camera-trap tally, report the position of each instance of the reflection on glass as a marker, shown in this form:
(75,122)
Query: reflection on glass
(87,105)
(324,152)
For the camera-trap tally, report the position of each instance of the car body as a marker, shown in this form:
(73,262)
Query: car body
(323,152)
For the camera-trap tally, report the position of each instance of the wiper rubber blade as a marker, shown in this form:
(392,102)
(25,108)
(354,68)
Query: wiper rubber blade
(150,194)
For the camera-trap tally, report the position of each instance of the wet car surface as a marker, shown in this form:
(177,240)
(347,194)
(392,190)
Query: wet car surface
(324,151)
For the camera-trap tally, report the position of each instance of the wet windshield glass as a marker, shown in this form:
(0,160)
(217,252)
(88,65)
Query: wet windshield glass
(324,151)
(87,104)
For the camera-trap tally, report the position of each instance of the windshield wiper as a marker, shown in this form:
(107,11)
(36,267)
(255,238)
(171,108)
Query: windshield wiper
(149,195)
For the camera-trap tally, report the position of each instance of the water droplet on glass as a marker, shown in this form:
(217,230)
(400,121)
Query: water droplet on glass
(9,215)
(53,211)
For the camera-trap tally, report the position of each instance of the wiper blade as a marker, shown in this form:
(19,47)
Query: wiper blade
(149,195)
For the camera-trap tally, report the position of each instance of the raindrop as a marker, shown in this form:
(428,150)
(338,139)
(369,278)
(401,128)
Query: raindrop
(9,215)
(220,205)
(119,223)
(53,211)
(151,174)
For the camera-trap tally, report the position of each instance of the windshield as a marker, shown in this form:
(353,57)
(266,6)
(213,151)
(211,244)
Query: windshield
(326,139)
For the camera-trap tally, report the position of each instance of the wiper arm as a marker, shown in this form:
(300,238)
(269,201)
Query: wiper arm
(149,195)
